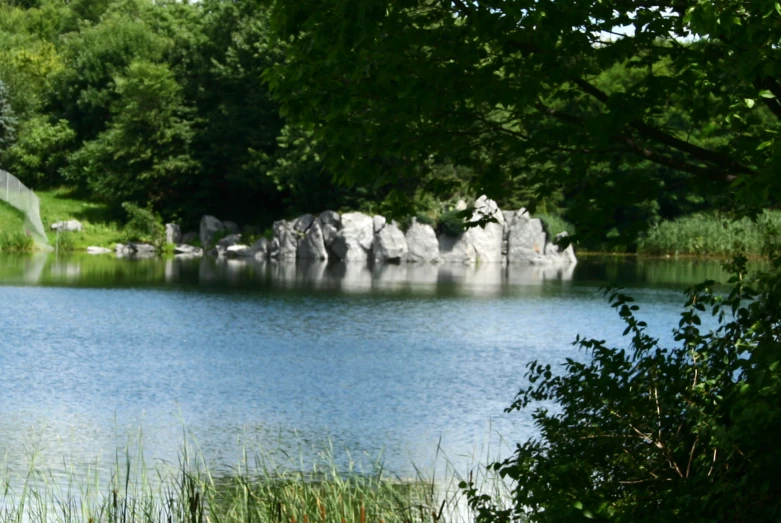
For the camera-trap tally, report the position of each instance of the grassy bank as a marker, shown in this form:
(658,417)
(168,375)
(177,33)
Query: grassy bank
(259,489)
(100,228)
(712,235)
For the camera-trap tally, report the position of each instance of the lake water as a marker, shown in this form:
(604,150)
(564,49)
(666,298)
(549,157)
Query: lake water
(393,362)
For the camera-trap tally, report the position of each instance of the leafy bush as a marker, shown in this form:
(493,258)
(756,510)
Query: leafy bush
(653,433)
(451,223)
(143,225)
(40,150)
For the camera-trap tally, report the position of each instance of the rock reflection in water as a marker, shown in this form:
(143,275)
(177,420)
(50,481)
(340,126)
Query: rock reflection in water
(489,279)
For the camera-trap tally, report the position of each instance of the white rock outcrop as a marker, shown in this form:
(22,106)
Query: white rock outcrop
(312,245)
(330,223)
(456,249)
(390,245)
(558,255)
(173,233)
(486,240)
(354,240)
(285,243)
(422,244)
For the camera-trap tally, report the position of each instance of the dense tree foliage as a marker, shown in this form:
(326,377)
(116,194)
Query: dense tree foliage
(155,102)
(402,110)
(7,120)
(632,108)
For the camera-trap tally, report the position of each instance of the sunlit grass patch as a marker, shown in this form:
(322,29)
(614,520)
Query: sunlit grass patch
(712,235)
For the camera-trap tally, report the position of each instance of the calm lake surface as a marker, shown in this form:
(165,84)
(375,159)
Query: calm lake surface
(392,362)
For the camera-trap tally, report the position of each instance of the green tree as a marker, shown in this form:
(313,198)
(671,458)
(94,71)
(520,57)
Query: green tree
(651,432)
(489,84)
(7,120)
(144,154)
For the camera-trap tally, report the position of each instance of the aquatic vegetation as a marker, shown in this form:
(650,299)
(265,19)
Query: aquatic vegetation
(260,488)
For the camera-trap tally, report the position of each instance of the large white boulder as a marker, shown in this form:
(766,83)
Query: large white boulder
(173,233)
(187,250)
(390,244)
(422,244)
(303,223)
(354,241)
(68,226)
(209,228)
(330,223)
(526,240)
(312,245)
(286,240)
(560,256)
(486,240)
(456,249)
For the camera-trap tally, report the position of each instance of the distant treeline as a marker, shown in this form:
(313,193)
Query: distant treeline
(163,103)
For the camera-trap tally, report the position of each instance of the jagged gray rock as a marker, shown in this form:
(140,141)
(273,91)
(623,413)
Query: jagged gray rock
(135,250)
(422,244)
(390,245)
(209,228)
(173,233)
(354,240)
(237,251)
(379,223)
(188,250)
(558,255)
(526,240)
(258,250)
(456,249)
(303,223)
(486,241)
(286,237)
(312,246)
(330,222)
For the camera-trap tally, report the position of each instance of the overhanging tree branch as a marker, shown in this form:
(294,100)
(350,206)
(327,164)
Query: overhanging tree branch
(635,148)
(651,132)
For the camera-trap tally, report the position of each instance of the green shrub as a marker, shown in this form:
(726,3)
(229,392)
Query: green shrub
(648,433)
(143,225)
(451,223)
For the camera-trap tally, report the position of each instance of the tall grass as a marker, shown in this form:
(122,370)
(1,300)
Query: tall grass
(259,489)
(16,241)
(712,235)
